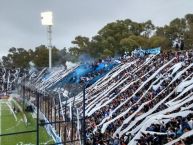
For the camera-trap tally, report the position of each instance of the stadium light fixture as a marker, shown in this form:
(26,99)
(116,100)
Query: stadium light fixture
(47,20)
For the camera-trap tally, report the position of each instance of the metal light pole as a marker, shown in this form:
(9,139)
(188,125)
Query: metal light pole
(50,45)
(47,20)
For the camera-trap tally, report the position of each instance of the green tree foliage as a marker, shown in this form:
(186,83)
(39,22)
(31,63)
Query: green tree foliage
(17,57)
(106,53)
(188,35)
(20,58)
(82,44)
(157,41)
(114,38)
(128,44)
(41,56)
(148,27)
(178,28)
(140,40)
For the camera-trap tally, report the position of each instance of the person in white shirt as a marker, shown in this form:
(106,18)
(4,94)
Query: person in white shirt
(191,123)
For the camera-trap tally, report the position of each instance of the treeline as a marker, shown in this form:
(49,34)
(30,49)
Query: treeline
(114,39)
(21,58)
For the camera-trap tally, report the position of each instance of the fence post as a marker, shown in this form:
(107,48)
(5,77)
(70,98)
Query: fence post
(37,120)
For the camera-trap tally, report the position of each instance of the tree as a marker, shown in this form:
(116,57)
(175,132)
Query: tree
(175,30)
(148,29)
(107,53)
(158,41)
(82,44)
(141,41)
(109,37)
(188,35)
(41,56)
(129,44)
(17,57)
(56,57)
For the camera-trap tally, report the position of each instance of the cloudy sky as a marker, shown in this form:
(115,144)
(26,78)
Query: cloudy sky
(20,24)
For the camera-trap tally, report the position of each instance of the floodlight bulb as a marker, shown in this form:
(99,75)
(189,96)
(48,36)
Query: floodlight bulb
(47,18)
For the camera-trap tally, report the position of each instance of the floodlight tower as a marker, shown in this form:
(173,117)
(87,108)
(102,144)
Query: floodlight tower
(47,20)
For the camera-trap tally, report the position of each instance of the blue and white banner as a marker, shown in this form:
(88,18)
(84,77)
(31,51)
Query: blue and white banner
(153,51)
(141,52)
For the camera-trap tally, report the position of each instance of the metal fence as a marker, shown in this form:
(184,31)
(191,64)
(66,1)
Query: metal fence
(53,115)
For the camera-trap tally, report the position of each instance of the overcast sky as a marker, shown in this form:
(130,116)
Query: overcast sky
(20,24)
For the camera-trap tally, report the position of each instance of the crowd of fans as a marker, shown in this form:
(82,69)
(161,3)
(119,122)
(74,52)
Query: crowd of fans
(8,79)
(138,99)
(140,89)
(173,129)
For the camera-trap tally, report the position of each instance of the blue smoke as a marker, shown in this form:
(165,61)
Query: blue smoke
(100,66)
(82,70)
(85,59)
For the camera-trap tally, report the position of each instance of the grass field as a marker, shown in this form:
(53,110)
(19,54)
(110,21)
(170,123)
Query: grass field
(11,121)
